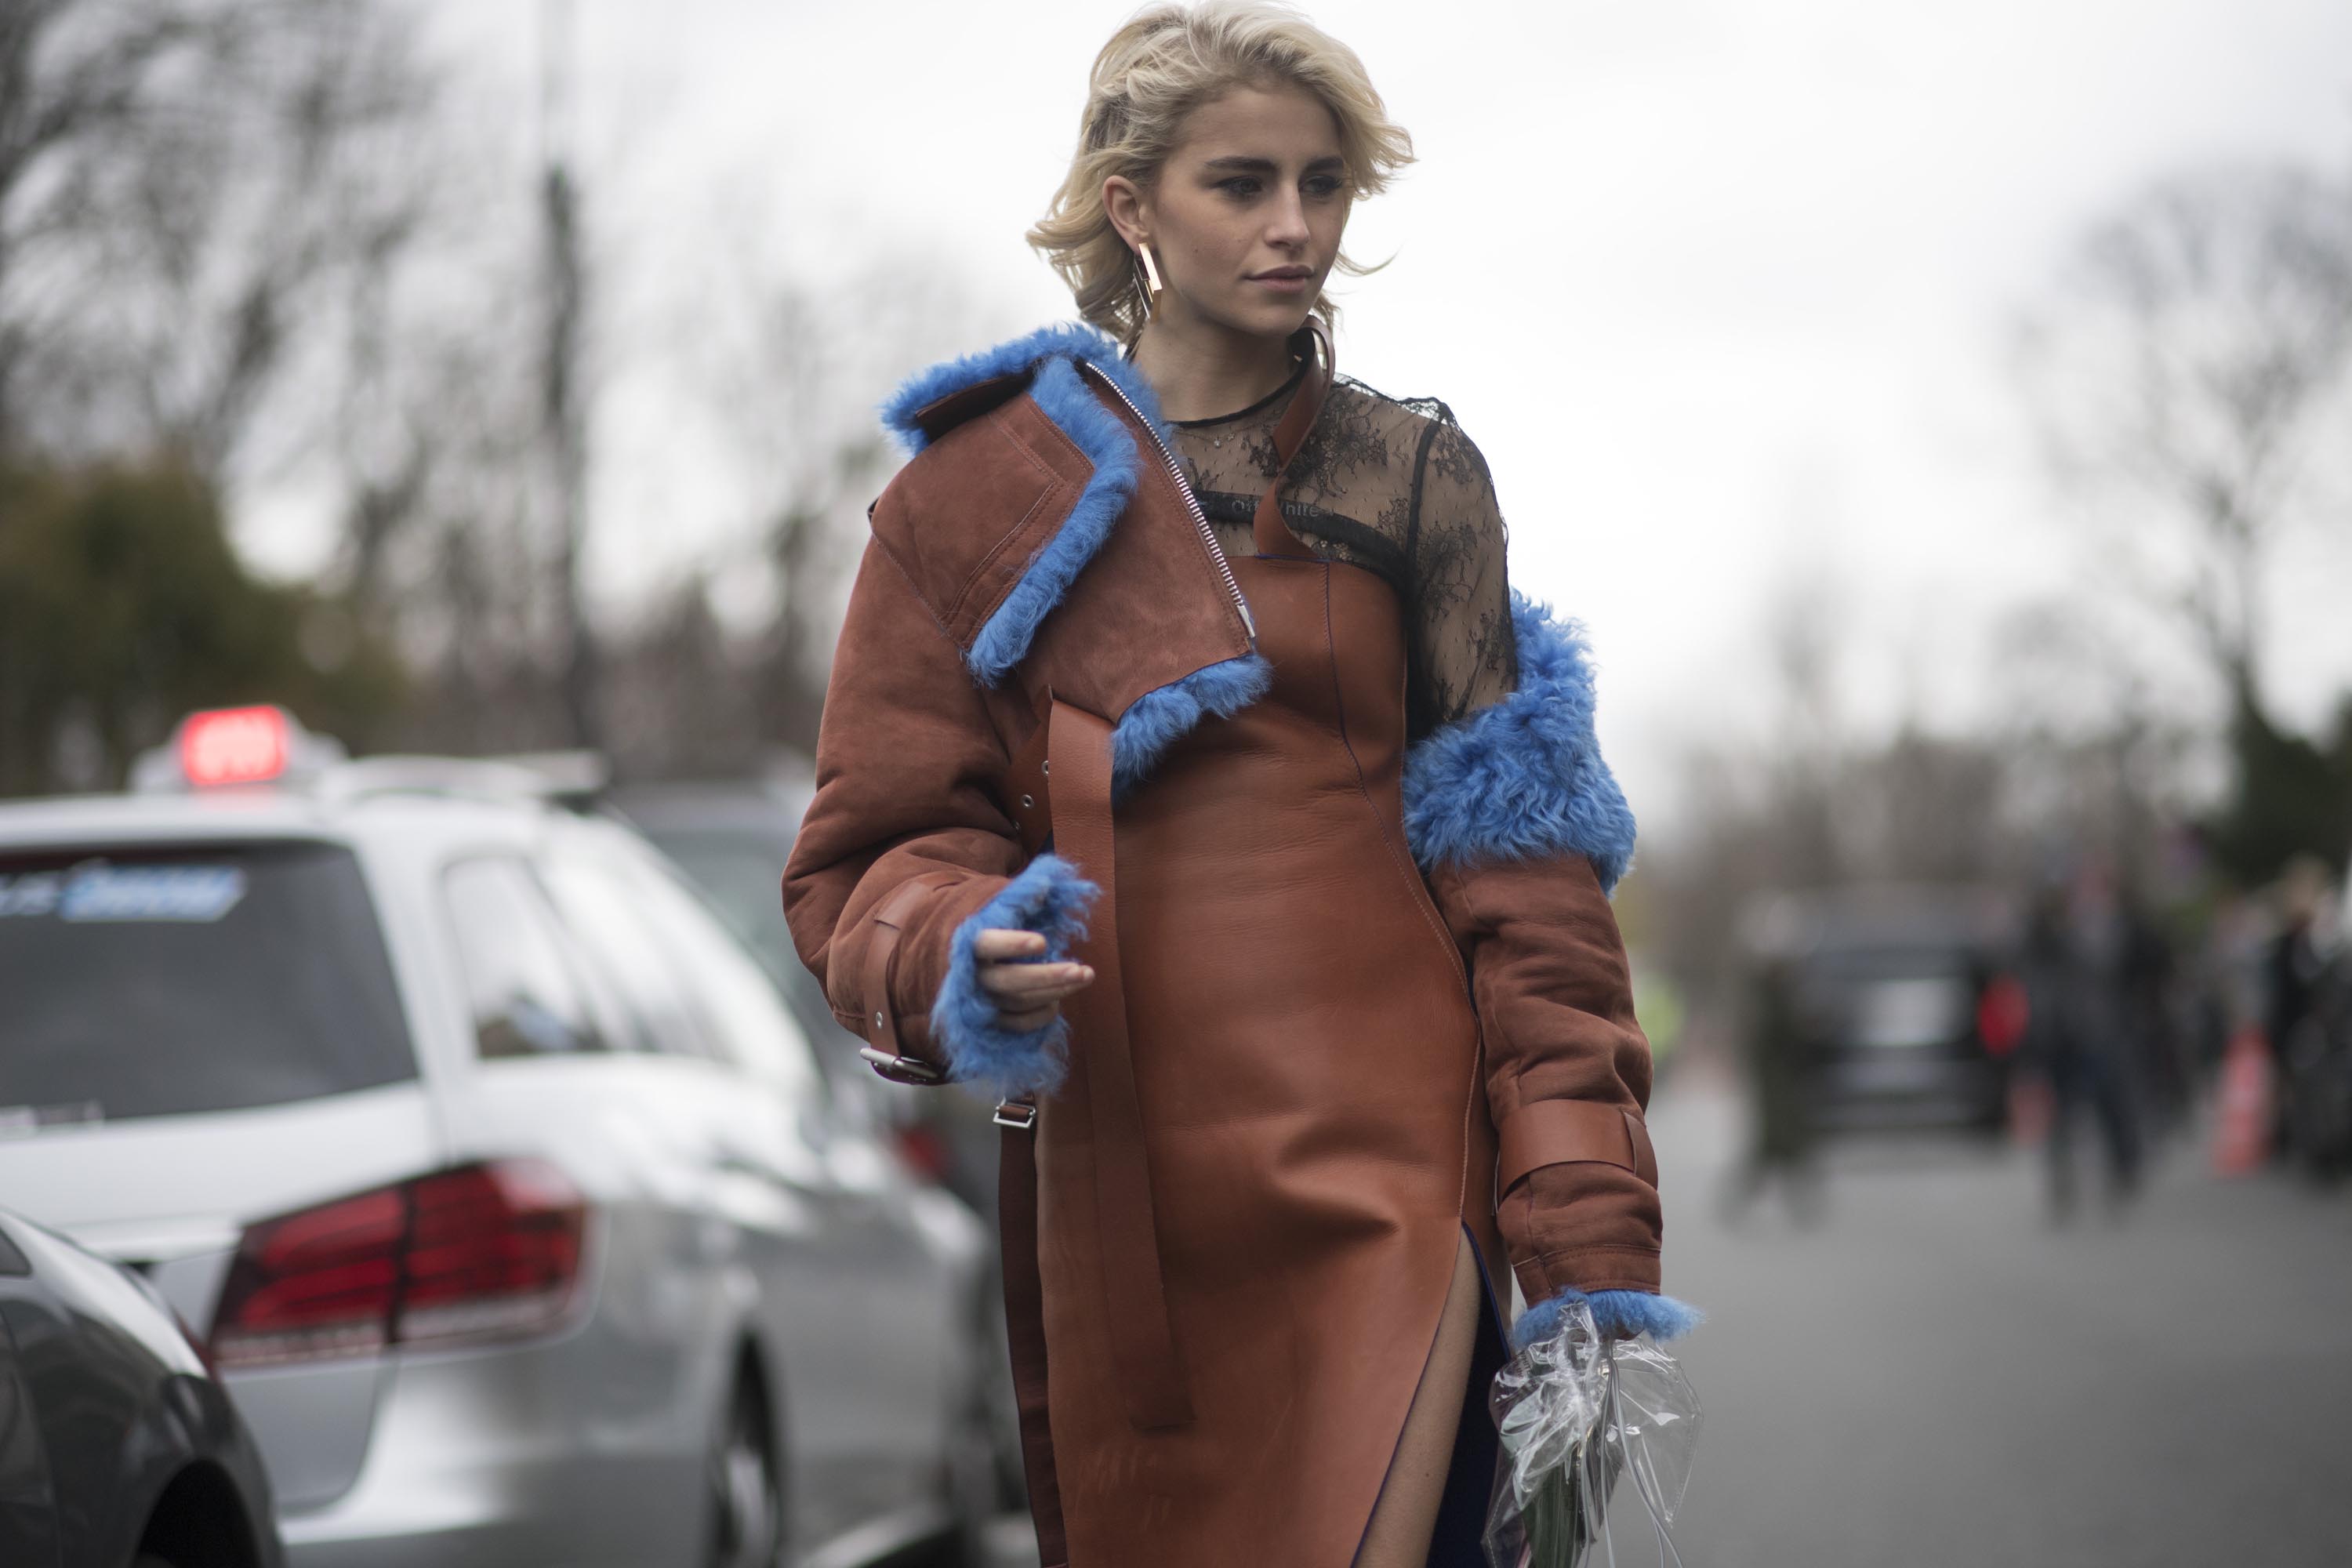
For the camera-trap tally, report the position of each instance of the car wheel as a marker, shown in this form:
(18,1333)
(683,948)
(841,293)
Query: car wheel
(982,1478)
(746,1500)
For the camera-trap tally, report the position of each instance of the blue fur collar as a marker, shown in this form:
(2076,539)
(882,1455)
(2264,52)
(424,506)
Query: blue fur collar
(1050,356)
(1063,340)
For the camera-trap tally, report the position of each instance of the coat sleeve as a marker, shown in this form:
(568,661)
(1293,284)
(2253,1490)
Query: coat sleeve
(1521,831)
(905,853)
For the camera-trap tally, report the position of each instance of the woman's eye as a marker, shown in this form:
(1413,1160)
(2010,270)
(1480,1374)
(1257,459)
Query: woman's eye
(1239,185)
(1323,185)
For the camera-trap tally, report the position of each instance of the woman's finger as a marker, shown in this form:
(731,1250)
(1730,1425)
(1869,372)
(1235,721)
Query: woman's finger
(1007,942)
(1033,981)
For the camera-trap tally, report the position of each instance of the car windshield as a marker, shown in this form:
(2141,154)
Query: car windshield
(164,982)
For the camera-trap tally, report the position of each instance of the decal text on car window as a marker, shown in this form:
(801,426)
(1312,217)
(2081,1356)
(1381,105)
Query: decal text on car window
(102,892)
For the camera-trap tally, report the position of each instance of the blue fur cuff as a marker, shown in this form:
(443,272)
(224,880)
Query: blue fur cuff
(1157,718)
(1614,1313)
(1048,895)
(1522,778)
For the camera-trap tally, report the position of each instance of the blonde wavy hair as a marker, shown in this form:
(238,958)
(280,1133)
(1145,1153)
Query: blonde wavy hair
(1167,61)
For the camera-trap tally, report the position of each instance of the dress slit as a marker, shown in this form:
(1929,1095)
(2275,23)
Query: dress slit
(1454,1538)
(1477,1447)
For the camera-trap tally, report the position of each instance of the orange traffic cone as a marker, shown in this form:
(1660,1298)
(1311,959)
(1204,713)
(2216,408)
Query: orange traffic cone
(2241,1133)
(2028,1109)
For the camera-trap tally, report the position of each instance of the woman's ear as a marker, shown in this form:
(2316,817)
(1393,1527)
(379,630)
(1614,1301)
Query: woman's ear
(1123,201)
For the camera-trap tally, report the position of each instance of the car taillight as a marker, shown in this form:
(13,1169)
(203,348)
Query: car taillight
(923,1152)
(480,1252)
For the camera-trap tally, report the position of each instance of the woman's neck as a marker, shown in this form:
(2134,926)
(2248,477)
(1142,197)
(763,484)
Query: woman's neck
(1201,371)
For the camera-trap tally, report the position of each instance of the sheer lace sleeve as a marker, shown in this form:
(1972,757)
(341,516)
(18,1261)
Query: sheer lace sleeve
(1390,484)
(1461,656)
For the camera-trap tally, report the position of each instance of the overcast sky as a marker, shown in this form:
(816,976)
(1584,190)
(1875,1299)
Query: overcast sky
(1719,287)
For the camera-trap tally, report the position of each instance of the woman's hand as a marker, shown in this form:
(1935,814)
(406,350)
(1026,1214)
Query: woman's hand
(1027,994)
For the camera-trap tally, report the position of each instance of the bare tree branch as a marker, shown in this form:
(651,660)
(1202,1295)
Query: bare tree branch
(2189,373)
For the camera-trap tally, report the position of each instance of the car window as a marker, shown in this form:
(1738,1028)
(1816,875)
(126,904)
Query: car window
(600,908)
(738,998)
(157,982)
(742,873)
(524,993)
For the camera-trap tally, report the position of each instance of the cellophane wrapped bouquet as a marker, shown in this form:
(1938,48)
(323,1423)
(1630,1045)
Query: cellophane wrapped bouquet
(1592,1427)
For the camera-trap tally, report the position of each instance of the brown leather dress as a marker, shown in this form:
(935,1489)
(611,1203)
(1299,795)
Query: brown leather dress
(1232,1230)
(1306,1052)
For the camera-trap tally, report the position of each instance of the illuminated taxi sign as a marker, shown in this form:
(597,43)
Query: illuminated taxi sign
(226,748)
(234,745)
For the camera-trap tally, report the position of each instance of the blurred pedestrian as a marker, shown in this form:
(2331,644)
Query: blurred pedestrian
(2076,967)
(2160,1055)
(2293,961)
(1288,1146)
(1781,1087)
(2296,976)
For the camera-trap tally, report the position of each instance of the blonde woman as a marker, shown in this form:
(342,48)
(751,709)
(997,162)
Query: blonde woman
(1310,1018)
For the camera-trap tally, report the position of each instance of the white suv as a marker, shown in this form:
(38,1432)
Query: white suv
(488,1166)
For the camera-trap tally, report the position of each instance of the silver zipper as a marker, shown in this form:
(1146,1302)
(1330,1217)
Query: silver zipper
(1191,502)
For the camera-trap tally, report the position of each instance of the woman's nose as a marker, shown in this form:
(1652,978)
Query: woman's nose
(1287,225)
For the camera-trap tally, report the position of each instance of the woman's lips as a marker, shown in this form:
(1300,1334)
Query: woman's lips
(1284,281)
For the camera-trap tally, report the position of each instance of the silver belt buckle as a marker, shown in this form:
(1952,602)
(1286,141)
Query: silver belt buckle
(1017,1114)
(888,1065)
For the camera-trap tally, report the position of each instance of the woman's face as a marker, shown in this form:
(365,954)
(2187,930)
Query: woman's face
(1246,215)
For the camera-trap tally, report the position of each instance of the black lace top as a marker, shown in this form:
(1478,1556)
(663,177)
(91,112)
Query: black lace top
(1391,484)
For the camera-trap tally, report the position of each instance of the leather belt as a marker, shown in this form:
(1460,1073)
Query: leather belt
(1143,1345)
(1025,1323)
(1059,784)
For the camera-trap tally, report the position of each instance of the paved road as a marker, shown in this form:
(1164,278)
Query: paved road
(1935,1377)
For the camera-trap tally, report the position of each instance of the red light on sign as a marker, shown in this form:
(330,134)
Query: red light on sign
(234,745)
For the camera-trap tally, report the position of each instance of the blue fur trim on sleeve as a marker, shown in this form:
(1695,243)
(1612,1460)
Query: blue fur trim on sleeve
(1048,895)
(1155,721)
(1614,1313)
(1524,776)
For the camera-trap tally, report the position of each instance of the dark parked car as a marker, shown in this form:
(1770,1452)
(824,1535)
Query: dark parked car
(117,1446)
(1892,991)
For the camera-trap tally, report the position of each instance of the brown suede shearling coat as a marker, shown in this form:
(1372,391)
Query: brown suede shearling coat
(1355,999)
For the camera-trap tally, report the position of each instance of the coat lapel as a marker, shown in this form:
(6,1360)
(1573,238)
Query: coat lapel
(1047,360)
(1045,364)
